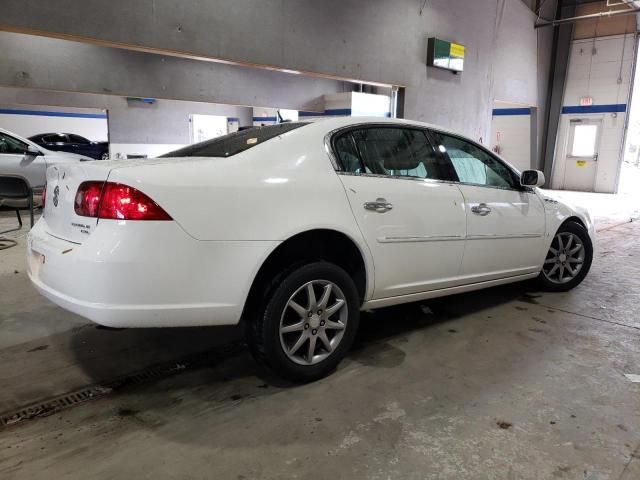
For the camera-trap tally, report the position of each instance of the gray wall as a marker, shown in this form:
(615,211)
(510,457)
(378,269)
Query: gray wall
(51,64)
(165,122)
(371,40)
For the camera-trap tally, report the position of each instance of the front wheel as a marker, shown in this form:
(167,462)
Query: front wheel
(568,259)
(307,324)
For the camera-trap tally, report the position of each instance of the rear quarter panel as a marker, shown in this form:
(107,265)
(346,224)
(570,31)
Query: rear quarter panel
(270,192)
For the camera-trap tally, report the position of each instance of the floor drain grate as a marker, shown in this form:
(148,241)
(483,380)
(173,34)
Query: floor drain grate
(76,397)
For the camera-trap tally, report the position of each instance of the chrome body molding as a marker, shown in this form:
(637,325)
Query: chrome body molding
(498,237)
(434,238)
(443,238)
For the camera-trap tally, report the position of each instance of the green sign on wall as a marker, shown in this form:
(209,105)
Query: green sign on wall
(447,55)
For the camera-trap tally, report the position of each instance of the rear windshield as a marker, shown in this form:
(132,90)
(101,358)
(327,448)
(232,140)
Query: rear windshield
(234,143)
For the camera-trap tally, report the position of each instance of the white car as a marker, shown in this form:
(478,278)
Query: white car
(23,158)
(295,228)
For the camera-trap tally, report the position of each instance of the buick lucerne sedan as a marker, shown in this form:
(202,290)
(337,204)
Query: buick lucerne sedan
(294,229)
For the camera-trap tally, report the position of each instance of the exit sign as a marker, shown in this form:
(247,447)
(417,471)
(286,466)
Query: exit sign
(586,101)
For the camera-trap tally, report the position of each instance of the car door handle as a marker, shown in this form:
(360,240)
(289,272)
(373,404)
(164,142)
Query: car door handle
(481,209)
(380,205)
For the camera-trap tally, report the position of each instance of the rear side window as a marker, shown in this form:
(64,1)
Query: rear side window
(388,151)
(78,139)
(234,143)
(56,138)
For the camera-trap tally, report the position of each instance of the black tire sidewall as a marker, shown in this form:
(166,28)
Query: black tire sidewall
(581,232)
(269,333)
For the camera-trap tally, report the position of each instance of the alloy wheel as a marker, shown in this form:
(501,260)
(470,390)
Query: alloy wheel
(313,322)
(565,258)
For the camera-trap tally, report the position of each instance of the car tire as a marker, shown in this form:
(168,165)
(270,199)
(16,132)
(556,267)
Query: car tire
(302,336)
(568,260)
(104,156)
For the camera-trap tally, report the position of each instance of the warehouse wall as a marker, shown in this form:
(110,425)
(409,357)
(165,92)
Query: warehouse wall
(373,41)
(600,68)
(133,127)
(59,65)
(29,120)
(511,134)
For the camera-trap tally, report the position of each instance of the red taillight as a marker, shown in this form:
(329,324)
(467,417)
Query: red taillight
(117,202)
(88,199)
(44,195)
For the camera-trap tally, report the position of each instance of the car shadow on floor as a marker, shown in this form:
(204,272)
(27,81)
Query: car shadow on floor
(106,355)
(233,388)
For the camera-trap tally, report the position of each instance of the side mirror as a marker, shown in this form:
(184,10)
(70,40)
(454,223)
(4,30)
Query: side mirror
(532,178)
(32,151)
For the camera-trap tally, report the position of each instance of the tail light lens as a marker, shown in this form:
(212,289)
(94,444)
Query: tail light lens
(116,201)
(87,199)
(44,195)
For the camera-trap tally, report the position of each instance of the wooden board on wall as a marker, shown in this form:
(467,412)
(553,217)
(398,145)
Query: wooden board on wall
(602,27)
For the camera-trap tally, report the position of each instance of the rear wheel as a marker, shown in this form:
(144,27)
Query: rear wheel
(307,324)
(568,259)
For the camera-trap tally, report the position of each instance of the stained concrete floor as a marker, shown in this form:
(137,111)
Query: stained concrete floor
(508,383)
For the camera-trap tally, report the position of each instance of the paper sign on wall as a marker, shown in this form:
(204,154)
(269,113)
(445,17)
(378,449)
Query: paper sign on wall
(580,163)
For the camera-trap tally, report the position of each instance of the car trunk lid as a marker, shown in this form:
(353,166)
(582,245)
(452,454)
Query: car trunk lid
(63,181)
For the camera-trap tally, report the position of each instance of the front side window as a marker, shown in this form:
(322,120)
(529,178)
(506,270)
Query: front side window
(388,151)
(474,165)
(10,145)
(234,143)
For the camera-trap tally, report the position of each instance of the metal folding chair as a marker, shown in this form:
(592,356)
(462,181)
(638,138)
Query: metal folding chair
(16,194)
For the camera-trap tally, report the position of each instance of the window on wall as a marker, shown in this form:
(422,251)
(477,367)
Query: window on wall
(584,140)
(474,165)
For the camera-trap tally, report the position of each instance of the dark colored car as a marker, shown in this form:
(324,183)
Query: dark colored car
(69,142)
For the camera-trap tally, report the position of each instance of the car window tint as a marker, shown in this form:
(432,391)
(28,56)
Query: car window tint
(234,143)
(474,165)
(396,152)
(56,138)
(348,154)
(11,145)
(78,139)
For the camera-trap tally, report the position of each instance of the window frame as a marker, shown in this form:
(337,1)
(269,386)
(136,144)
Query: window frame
(444,165)
(515,173)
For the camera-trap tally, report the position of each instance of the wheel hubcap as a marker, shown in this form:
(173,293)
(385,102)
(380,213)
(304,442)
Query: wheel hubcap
(313,322)
(565,258)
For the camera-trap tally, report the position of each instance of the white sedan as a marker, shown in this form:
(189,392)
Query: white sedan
(295,228)
(23,158)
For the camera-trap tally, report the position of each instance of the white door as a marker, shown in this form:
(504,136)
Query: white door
(414,225)
(582,154)
(505,222)
(206,127)
(13,161)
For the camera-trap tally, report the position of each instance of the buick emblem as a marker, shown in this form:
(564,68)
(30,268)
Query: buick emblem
(56,192)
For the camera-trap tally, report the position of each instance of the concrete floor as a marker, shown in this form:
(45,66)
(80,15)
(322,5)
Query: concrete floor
(509,383)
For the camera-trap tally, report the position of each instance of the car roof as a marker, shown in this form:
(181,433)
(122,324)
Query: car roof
(333,123)
(52,133)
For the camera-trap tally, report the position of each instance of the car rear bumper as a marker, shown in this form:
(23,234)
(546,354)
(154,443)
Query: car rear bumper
(144,274)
